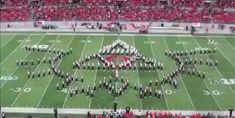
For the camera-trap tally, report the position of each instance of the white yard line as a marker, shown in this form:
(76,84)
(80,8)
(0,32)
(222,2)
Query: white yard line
(137,70)
(216,68)
(230,61)
(94,82)
(204,81)
(76,111)
(190,99)
(167,105)
(30,77)
(2,84)
(75,73)
(18,47)
(13,51)
(105,34)
(53,75)
(230,44)
(8,41)
(95,74)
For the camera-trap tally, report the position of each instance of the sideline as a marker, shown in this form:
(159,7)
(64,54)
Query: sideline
(100,111)
(123,34)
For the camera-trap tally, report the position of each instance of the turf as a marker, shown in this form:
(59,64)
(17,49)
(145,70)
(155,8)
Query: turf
(216,92)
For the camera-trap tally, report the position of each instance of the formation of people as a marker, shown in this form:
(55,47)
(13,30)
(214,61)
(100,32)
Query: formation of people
(115,87)
(185,65)
(118,47)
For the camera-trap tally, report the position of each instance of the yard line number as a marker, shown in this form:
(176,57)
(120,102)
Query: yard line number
(55,41)
(180,42)
(86,41)
(18,89)
(149,42)
(213,92)
(8,78)
(200,48)
(41,46)
(222,81)
(24,40)
(169,92)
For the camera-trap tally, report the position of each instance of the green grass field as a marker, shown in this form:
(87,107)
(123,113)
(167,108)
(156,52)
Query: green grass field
(216,92)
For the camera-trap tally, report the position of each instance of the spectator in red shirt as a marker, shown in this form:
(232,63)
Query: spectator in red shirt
(128,113)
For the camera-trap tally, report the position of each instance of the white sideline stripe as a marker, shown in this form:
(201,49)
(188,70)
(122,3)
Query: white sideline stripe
(8,41)
(2,84)
(74,73)
(167,105)
(53,75)
(96,73)
(204,79)
(190,99)
(128,34)
(30,77)
(100,111)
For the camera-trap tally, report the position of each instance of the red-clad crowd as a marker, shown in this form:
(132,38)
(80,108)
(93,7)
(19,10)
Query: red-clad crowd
(151,115)
(132,10)
(161,115)
(175,115)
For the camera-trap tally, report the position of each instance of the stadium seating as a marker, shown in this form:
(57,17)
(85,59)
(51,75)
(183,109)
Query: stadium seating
(13,3)
(225,4)
(187,3)
(55,2)
(15,14)
(223,17)
(133,10)
(152,114)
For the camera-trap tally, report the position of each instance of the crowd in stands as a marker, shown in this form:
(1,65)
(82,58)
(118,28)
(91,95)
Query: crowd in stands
(13,3)
(225,3)
(175,115)
(132,10)
(15,14)
(152,115)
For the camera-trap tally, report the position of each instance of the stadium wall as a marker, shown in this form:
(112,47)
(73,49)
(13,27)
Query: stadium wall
(155,27)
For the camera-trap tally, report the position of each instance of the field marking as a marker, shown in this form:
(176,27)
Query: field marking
(71,39)
(204,80)
(8,41)
(225,56)
(96,73)
(30,77)
(75,72)
(12,52)
(167,105)
(218,71)
(23,58)
(83,111)
(137,70)
(190,99)
(43,35)
(229,43)
(105,34)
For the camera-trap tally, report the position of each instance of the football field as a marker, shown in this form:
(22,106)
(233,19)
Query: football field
(215,92)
